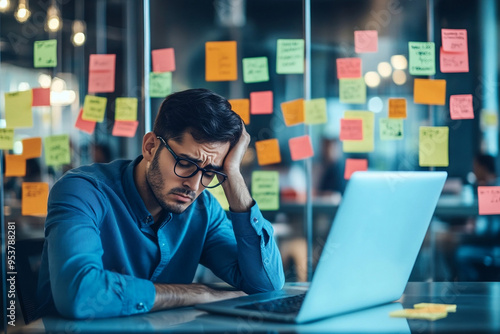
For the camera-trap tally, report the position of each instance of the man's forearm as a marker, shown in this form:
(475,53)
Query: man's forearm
(237,193)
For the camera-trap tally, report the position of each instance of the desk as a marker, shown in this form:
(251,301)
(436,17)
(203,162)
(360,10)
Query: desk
(478,311)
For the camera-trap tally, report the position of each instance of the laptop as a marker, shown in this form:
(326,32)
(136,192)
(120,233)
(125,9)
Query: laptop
(369,254)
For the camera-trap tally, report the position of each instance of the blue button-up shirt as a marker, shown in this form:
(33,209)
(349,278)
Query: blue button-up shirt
(101,255)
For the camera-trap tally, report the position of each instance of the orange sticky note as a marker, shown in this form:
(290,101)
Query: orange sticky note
(125,128)
(261,102)
(32,147)
(15,165)
(453,62)
(348,68)
(41,97)
(102,73)
(221,61)
(85,126)
(354,165)
(242,108)
(428,91)
(351,129)
(268,152)
(163,60)
(454,40)
(489,200)
(397,108)
(365,41)
(301,148)
(461,107)
(293,112)
(34,198)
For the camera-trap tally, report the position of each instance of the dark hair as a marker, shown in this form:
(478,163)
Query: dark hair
(487,161)
(206,115)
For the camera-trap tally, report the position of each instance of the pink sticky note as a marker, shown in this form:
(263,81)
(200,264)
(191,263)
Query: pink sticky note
(453,62)
(354,165)
(163,60)
(351,129)
(454,40)
(365,41)
(461,107)
(41,97)
(125,128)
(348,68)
(301,147)
(261,103)
(102,73)
(489,200)
(85,126)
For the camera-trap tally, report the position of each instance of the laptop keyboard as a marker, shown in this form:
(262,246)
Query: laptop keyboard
(281,305)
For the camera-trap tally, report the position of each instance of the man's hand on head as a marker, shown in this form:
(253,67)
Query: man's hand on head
(233,159)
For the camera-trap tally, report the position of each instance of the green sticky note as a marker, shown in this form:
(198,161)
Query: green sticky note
(315,111)
(422,58)
(160,84)
(255,70)
(367,143)
(18,109)
(433,146)
(391,128)
(45,53)
(126,109)
(94,108)
(219,195)
(290,56)
(266,189)
(352,91)
(57,151)
(6,139)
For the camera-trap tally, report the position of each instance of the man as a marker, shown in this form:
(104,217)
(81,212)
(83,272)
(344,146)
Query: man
(126,237)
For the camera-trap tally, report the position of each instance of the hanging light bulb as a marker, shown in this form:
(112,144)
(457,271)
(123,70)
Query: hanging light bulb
(4,6)
(78,38)
(53,22)
(22,13)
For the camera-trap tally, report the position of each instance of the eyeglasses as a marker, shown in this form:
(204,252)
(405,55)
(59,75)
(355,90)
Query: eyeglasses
(186,168)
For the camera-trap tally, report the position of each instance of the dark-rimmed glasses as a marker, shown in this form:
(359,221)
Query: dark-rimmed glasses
(186,168)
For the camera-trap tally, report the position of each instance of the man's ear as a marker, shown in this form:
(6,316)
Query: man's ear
(149,146)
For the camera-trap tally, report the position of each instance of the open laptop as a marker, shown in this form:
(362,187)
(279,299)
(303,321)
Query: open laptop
(368,256)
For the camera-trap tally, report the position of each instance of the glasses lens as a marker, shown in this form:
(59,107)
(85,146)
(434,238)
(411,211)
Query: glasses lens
(210,179)
(185,168)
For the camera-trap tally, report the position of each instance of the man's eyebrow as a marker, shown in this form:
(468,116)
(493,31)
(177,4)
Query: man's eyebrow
(198,161)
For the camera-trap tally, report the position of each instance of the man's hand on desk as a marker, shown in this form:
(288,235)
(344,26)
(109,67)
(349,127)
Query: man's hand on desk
(178,295)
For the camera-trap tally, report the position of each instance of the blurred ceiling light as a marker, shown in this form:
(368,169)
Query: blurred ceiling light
(375,104)
(62,98)
(44,80)
(384,69)
(372,79)
(53,22)
(399,77)
(58,85)
(78,38)
(4,6)
(399,62)
(22,13)
(23,86)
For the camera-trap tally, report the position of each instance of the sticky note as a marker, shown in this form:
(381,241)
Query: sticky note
(391,128)
(348,68)
(293,112)
(354,165)
(160,84)
(451,308)
(315,111)
(163,60)
(83,125)
(220,61)
(125,128)
(242,108)
(18,109)
(57,150)
(94,108)
(433,146)
(45,53)
(423,314)
(261,102)
(301,148)
(365,41)
(290,56)
(126,109)
(489,200)
(15,165)
(454,40)
(428,91)
(397,108)
(32,147)
(34,198)
(102,73)
(266,189)
(352,91)
(268,152)
(367,144)
(489,118)
(351,129)
(422,58)
(255,70)
(461,107)
(41,97)
(220,196)
(6,139)
(453,62)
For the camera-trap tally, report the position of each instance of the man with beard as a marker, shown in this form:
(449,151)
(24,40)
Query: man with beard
(127,237)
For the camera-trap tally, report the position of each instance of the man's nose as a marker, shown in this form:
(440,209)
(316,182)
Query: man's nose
(193,182)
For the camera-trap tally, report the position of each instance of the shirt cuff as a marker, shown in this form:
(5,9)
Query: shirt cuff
(240,222)
(142,296)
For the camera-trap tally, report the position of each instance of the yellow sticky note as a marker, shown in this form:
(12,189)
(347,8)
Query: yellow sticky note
(266,189)
(433,146)
(94,108)
(451,308)
(15,165)
(219,195)
(315,111)
(242,108)
(32,147)
(428,91)
(423,314)
(126,109)
(268,152)
(221,61)
(34,198)
(368,143)
(352,91)
(293,112)
(57,150)
(18,109)
(6,139)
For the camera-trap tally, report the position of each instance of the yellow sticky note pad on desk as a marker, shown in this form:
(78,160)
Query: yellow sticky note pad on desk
(446,307)
(221,61)
(34,198)
(433,146)
(18,109)
(424,314)
(368,143)
(266,189)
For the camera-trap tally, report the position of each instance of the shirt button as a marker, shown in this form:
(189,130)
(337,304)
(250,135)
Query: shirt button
(140,306)
(255,220)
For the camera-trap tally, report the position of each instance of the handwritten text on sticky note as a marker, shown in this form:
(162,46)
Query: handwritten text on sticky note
(422,58)
(368,142)
(351,129)
(391,128)
(94,108)
(255,70)
(45,53)
(268,152)
(348,68)
(454,40)
(461,107)
(489,200)
(352,91)
(433,146)
(266,189)
(453,62)
(126,109)
(315,111)
(18,112)
(397,108)
(34,198)
(160,84)
(293,112)
(57,150)
(102,73)
(125,128)
(221,61)
(290,56)
(6,139)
